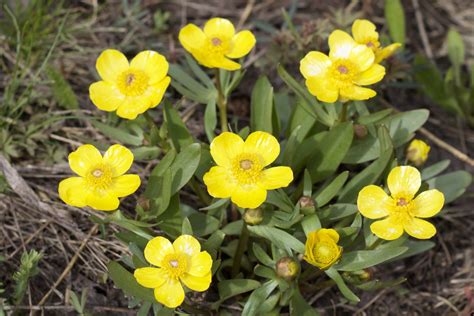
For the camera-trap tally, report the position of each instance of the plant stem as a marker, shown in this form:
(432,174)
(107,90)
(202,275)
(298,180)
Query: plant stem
(375,244)
(343,116)
(221,103)
(239,252)
(202,195)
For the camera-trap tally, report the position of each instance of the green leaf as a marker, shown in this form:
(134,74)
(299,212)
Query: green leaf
(125,281)
(198,72)
(310,223)
(337,211)
(434,169)
(214,241)
(299,306)
(310,105)
(331,190)
(330,151)
(280,238)
(336,277)
(146,153)
(262,256)
(261,106)
(177,131)
(164,163)
(414,248)
(456,52)
(186,228)
(453,184)
(362,259)
(184,83)
(119,134)
(62,91)
(374,117)
(184,166)
(258,297)
(395,17)
(233,287)
(203,224)
(210,119)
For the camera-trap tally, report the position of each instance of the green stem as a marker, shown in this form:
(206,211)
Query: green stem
(202,195)
(239,252)
(221,103)
(375,244)
(343,116)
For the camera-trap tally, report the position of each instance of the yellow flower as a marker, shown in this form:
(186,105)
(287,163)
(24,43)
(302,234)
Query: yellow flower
(240,172)
(321,249)
(418,151)
(101,181)
(364,33)
(129,89)
(402,210)
(183,261)
(341,74)
(213,46)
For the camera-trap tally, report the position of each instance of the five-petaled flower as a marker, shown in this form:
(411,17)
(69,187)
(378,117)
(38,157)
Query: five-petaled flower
(402,210)
(216,43)
(417,152)
(129,89)
(183,261)
(321,248)
(102,180)
(340,75)
(240,172)
(365,33)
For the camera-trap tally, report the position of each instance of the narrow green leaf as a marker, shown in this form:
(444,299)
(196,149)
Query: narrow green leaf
(261,106)
(262,256)
(233,287)
(210,119)
(62,91)
(456,52)
(257,297)
(331,190)
(125,281)
(310,223)
(395,17)
(280,238)
(299,306)
(118,134)
(184,166)
(435,169)
(452,184)
(336,277)
(186,228)
(177,130)
(362,259)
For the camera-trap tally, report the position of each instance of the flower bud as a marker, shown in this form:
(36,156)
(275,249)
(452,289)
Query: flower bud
(253,216)
(417,152)
(360,131)
(307,203)
(287,268)
(321,248)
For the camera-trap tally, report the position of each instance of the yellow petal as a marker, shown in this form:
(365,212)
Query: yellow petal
(119,158)
(187,244)
(386,52)
(427,204)
(133,106)
(331,233)
(110,64)
(420,228)
(150,277)
(105,96)
(276,177)
(170,293)
(249,196)
(152,63)
(220,28)
(354,92)
(73,191)
(340,45)
(192,37)
(156,249)
(125,185)
(263,144)
(102,200)
(372,75)
(83,159)
(201,264)
(157,91)
(404,182)
(387,229)
(242,44)
(218,61)
(197,283)
(219,182)
(225,147)
(363,30)
(373,202)
(362,56)
(314,64)
(323,89)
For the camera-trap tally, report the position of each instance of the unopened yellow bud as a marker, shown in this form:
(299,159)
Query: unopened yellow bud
(417,152)
(253,216)
(287,268)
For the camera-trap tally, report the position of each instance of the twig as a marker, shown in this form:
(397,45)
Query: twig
(372,301)
(246,13)
(27,241)
(68,268)
(421,29)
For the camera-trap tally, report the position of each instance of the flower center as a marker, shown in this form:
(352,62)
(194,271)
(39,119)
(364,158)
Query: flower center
(133,82)
(216,41)
(247,168)
(343,72)
(218,45)
(402,202)
(175,264)
(325,252)
(99,177)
